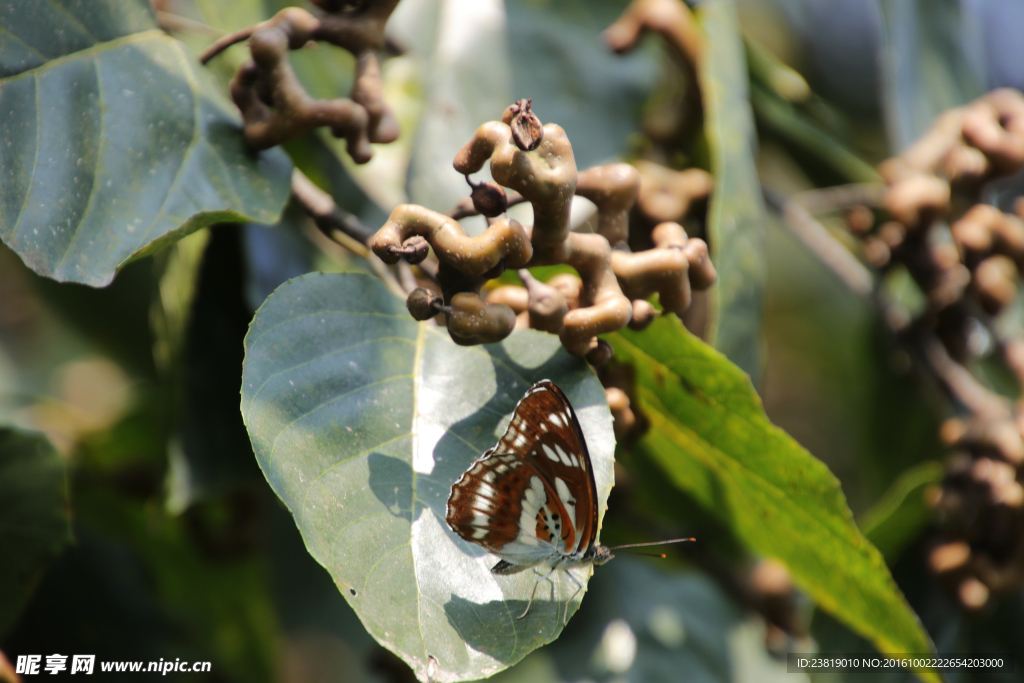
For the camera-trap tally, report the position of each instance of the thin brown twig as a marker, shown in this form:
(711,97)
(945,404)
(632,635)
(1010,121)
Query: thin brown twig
(225,42)
(961,384)
(325,213)
(381,270)
(429,267)
(341,227)
(830,251)
(955,379)
(832,199)
(406,277)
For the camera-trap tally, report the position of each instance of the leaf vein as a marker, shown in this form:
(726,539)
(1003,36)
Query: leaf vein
(720,462)
(197,119)
(320,476)
(35,164)
(97,48)
(92,190)
(322,404)
(72,17)
(383,557)
(12,34)
(317,359)
(356,521)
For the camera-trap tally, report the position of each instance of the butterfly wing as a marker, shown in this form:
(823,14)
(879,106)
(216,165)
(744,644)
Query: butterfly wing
(501,504)
(532,497)
(545,432)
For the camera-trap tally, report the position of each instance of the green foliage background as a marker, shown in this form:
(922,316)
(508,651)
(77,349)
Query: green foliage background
(135,521)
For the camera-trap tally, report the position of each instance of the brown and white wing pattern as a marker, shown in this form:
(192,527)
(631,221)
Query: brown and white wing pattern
(532,498)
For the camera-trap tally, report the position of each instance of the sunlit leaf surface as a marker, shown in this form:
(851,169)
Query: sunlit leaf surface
(466,82)
(362,419)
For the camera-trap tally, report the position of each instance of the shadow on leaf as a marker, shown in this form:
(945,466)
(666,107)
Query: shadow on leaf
(391,482)
(476,624)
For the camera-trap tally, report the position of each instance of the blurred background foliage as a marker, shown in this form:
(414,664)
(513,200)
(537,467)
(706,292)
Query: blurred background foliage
(179,547)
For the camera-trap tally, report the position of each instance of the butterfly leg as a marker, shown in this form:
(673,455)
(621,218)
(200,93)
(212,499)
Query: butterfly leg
(534,593)
(579,587)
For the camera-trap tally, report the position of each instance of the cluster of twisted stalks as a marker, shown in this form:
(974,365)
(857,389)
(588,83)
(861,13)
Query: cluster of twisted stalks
(969,275)
(535,161)
(275,106)
(610,293)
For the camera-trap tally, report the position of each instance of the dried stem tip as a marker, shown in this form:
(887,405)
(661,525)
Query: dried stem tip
(527,131)
(488,198)
(413,250)
(424,304)
(600,353)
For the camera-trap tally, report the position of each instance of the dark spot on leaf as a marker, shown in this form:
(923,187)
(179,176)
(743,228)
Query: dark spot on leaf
(352,591)
(693,389)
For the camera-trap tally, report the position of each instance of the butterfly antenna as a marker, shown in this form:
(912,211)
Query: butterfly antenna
(658,555)
(642,545)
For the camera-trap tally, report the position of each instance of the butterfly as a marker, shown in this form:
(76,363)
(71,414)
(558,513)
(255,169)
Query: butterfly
(532,499)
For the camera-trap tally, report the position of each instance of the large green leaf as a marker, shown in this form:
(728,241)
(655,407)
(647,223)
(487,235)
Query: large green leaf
(33,516)
(926,65)
(362,419)
(711,437)
(736,228)
(112,143)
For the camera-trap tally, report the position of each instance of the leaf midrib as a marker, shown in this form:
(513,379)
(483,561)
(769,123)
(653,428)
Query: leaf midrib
(95,49)
(417,379)
(754,421)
